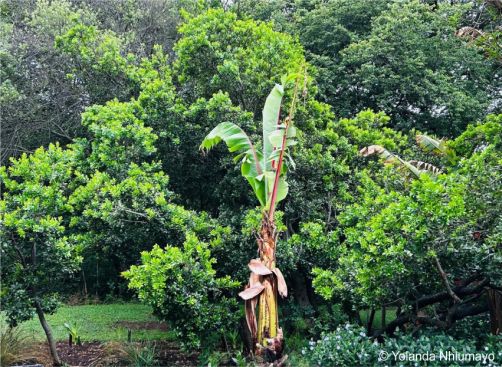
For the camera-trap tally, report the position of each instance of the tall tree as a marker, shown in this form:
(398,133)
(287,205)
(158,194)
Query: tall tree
(413,67)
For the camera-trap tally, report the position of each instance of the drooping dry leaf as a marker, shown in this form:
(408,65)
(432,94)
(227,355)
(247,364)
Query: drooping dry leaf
(470,33)
(257,267)
(251,292)
(253,279)
(372,149)
(281,283)
(250,306)
(424,166)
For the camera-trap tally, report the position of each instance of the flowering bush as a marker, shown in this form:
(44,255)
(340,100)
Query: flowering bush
(349,346)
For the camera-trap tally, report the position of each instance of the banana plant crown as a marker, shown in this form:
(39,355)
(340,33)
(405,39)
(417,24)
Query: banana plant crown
(266,170)
(417,168)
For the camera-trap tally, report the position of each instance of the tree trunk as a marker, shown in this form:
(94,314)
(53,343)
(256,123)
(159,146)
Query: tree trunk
(371,317)
(269,337)
(265,283)
(48,334)
(384,314)
(495,305)
(84,283)
(299,287)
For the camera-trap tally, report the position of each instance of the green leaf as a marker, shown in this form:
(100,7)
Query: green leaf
(430,144)
(275,138)
(282,189)
(271,113)
(238,142)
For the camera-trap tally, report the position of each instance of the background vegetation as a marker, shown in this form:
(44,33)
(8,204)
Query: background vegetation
(105,192)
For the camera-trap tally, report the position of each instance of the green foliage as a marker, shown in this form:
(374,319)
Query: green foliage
(477,136)
(142,355)
(128,354)
(38,252)
(349,346)
(402,57)
(391,234)
(217,52)
(413,67)
(92,47)
(133,176)
(119,136)
(58,57)
(182,287)
(73,331)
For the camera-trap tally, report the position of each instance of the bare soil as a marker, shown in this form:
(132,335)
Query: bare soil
(168,354)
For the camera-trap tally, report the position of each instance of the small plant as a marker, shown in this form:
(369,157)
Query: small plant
(234,339)
(73,334)
(131,354)
(211,358)
(240,360)
(11,344)
(347,346)
(142,355)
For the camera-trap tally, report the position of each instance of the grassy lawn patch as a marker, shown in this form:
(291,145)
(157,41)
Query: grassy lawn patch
(390,315)
(104,322)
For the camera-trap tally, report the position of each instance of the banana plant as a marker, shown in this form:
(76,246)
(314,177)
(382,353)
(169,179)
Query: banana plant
(265,171)
(73,334)
(413,166)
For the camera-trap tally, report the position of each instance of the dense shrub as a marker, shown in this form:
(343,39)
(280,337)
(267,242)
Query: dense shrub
(182,287)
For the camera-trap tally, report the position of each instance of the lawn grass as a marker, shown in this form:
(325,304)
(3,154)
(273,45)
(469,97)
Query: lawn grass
(390,315)
(98,323)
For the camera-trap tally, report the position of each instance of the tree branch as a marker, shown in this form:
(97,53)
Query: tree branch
(452,294)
